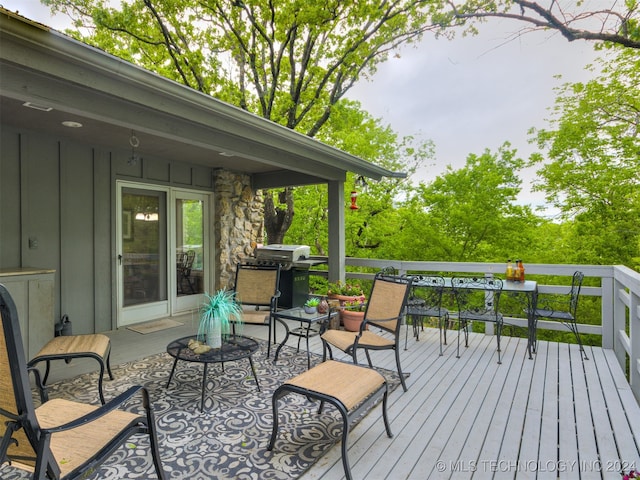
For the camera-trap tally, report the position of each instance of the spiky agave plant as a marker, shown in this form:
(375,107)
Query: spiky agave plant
(215,314)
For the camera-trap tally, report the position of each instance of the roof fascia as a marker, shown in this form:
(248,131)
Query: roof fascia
(58,55)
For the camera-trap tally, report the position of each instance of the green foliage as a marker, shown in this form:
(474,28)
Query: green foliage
(350,289)
(288,61)
(592,174)
(371,230)
(471,212)
(312,302)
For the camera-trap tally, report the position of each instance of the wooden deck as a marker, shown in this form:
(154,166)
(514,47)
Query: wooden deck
(555,416)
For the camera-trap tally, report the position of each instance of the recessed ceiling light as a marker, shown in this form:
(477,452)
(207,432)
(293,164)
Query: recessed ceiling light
(71,124)
(42,108)
(227,154)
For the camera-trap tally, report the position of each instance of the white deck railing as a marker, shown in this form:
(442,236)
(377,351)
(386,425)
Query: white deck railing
(619,291)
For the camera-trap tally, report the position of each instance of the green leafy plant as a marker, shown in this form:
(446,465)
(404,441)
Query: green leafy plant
(220,307)
(354,306)
(312,302)
(346,289)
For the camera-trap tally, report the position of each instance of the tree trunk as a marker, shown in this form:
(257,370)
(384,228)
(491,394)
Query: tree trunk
(277,220)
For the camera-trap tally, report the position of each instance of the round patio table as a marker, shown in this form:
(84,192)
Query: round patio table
(234,347)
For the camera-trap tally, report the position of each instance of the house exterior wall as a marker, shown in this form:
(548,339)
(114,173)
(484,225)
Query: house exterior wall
(58,207)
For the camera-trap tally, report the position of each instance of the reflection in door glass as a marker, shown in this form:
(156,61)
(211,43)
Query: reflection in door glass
(189,243)
(144,246)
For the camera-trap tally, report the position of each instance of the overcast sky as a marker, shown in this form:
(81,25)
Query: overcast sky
(474,93)
(466,95)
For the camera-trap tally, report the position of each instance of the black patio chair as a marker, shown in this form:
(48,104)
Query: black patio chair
(257,289)
(384,313)
(426,302)
(60,439)
(563,309)
(185,264)
(477,299)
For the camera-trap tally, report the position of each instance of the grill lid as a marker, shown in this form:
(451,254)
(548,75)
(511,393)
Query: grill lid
(286,253)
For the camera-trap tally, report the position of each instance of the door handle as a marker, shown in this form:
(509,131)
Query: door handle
(120,259)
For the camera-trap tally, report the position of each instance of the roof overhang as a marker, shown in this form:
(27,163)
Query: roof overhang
(111,98)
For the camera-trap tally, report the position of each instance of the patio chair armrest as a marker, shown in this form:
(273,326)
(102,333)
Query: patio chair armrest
(42,390)
(102,410)
(274,301)
(374,321)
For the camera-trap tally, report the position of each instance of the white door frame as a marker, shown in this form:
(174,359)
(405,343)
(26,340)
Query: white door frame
(186,303)
(173,305)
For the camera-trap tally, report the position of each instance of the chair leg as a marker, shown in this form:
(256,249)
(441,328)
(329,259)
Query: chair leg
(366,352)
(574,329)
(385,416)
(445,326)
(269,339)
(47,369)
(100,378)
(406,336)
(325,348)
(153,439)
(274,405)
(498,334)
(404,385)
(345,458)
(7,440)
(442,327)
(109,364)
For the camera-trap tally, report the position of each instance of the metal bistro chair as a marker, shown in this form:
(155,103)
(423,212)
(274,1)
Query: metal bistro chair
(60,439)
(428,304)
(185,264)
(384,313)
(477,299)
(256,287)
(564,309)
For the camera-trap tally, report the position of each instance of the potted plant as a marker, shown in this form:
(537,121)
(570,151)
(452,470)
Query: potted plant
(215,315)
(346,292)
(352,315)
(311,305)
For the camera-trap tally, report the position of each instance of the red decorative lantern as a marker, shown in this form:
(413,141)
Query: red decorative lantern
(354,199)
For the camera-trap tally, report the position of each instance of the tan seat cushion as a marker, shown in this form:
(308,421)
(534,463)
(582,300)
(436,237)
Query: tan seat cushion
(72,448)
(351,384)
(260,317)
(76,345)
(344,340)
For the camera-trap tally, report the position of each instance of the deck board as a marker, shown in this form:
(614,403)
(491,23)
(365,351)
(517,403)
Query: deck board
(555,416)
(548,353)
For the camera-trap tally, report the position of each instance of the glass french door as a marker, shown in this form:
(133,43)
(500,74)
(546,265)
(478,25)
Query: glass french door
(162,255)
(191,253)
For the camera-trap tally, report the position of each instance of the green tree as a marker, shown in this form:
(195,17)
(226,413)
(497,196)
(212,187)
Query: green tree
(290,61)
(592,173)
(372,228)
(471,212)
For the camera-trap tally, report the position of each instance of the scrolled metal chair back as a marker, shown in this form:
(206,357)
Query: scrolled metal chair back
(576,285)
(480,295)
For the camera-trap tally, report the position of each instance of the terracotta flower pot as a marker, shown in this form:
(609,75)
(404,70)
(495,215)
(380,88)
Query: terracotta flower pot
(351,320)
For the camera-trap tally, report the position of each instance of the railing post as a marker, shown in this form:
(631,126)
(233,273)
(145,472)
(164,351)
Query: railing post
(336,258)
(610,322)
(618,323)
(634,335)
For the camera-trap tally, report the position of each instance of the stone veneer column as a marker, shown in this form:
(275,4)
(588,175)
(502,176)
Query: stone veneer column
(238,218)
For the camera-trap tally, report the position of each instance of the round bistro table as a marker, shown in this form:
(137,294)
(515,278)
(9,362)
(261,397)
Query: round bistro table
(234,347)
